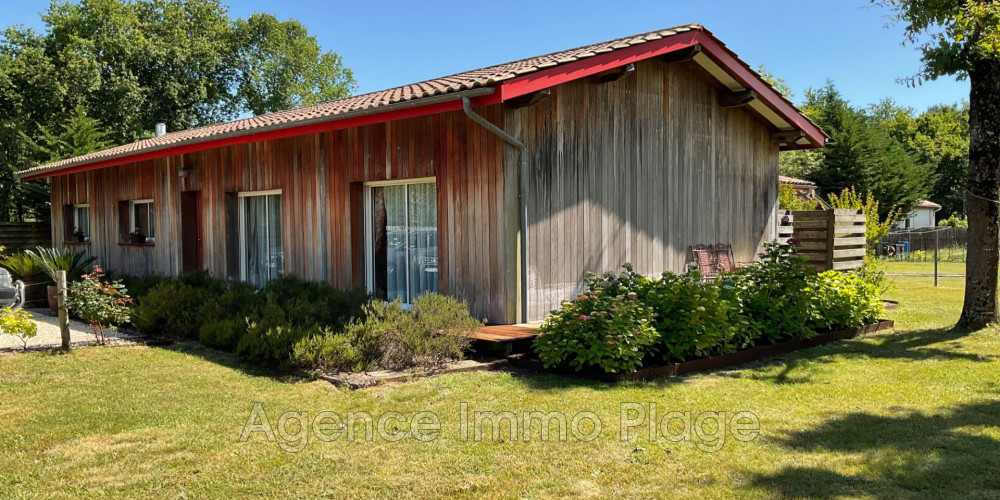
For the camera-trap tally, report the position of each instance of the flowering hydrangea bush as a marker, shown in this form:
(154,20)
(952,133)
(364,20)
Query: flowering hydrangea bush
(100,303)
(626,320)
(604,328)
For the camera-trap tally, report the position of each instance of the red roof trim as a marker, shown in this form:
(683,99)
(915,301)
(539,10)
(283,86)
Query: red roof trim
(551,77)
(401,114)
(749,79)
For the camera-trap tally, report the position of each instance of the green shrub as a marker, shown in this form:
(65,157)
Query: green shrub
(308,303)
(19,324)
(332,352)
(843,300)
(775,294)
(435,330)
(238,302)
(606,328)
(222,334)
(172,308)
(692,317)
(138,286)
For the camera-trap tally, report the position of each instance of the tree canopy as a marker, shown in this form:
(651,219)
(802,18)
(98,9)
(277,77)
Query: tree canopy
(128,65)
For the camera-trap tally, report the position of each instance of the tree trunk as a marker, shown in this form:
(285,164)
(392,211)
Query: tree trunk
(982,193)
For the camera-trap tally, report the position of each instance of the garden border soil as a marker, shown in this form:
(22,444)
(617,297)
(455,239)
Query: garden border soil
(715,362)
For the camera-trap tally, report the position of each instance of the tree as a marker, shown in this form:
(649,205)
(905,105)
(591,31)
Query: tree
(799,163)
(133,63)
(864,155)
(80,135)
(960,38)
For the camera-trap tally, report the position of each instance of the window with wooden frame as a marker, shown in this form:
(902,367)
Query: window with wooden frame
(137,221)
(76,222)
(141,219)
(401,238)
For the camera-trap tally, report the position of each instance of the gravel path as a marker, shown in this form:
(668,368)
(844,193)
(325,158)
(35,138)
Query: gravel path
(48,333)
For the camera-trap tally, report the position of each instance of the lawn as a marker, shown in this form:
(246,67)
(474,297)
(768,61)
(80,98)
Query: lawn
(909,414)
(905,267)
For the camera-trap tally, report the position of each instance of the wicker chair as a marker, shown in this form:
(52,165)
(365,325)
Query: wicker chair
(704,260)
(11,292)
(724,258)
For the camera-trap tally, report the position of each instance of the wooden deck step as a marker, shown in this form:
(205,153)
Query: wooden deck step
(506,333)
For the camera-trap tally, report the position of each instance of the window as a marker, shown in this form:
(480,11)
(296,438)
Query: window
(401,238)
(141,219)
(261,255)
(81,222)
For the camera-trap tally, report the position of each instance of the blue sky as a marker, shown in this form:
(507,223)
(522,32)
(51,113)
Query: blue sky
(389,43)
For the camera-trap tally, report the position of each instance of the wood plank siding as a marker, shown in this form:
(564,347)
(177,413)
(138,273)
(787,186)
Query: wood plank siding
(320,177)
(637,170)
(633,170)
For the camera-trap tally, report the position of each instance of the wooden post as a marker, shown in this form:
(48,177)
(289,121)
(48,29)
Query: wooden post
(63,310)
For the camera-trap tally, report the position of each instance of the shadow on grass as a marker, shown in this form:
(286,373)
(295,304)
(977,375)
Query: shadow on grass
(230,360)
(918,345)
(948,454)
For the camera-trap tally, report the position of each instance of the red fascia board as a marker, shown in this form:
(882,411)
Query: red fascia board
(544,79)
(729,62)
(334,124)
(551,77)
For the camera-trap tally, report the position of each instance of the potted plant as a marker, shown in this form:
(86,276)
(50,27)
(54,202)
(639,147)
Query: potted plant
(52,260)
(79,235)
(136,237)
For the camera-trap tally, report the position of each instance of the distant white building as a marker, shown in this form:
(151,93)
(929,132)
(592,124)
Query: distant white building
(924,215)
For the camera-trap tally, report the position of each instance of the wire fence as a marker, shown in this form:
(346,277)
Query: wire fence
(917,245)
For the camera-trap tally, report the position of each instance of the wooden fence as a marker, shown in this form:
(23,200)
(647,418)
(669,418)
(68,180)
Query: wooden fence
(16,236)
(829,239)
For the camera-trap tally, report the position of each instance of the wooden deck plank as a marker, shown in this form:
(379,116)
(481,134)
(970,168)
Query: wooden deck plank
(505,333)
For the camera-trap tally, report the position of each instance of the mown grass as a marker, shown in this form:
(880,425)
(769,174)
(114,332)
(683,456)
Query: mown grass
(908,414)
(904,267)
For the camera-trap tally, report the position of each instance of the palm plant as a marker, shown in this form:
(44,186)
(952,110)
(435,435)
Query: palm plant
(23,266)
(52,260)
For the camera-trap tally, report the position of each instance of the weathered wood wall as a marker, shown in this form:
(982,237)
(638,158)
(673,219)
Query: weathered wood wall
(637,170)
(320,177)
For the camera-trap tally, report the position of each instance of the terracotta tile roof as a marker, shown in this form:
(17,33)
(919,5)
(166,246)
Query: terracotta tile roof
(792,180)
(478,78)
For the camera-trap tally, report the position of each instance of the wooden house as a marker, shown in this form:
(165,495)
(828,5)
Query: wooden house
(502,186)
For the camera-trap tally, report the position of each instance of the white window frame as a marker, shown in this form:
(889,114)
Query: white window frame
(131,216)
(243,225)
(76,219)
(370,231)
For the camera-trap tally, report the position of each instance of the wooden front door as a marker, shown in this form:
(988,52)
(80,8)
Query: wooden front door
(191,230)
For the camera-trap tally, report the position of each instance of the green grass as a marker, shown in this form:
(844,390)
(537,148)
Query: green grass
(908,414)
(903,267)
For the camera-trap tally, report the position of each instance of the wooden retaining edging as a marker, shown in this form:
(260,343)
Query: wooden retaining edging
(715,362)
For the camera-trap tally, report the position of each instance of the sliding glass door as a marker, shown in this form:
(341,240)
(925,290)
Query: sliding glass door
(262,257)
(402,239)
